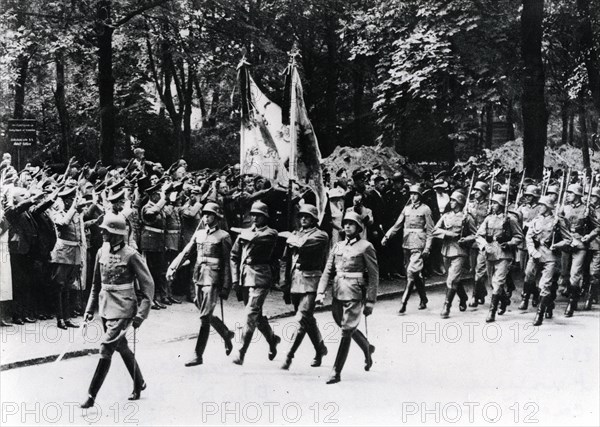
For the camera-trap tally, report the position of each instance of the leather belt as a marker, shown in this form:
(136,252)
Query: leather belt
(156,230)
(351,275)
(67,242)
(117,287)
(173,231)
(414,229)
(208,260)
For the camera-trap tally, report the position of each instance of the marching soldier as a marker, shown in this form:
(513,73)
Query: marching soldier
(352,267)
(66,256)
(542,259)
(478,209)
(418,225)
(117,266)
(573,229)
(498,235)
(457,229)
(593,241)
(211,275)
(306,254)
(252,277)
(152,241)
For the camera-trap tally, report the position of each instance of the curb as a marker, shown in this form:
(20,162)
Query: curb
(90,351)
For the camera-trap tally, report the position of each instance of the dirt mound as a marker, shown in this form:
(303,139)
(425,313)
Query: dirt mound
(510,155)
(386,159)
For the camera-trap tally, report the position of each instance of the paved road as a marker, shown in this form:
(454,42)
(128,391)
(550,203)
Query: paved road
(427,370)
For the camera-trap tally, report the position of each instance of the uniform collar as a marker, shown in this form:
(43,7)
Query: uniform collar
(117,248)
(350,242)
(255,228)
(210,230)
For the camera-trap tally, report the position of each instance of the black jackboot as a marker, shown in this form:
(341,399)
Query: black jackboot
(493,308)
(136,374)
(200,345)
(407,291)
(544,304)
(420,285)
(295,345)
(462,297)
(97,380)
(504,302)
(340,360)
(448,303)
(320,348)
(364,345)
(573,299)
(239,360)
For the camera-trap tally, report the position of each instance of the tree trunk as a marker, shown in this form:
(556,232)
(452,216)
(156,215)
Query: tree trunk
(510,118)
(489,125)
(535,114)
(187,115)
(585,150)
(20,84)
(564,115)
(571,129)
(357,101)
(61,106)
(106,83)
(331,90)
(587,48)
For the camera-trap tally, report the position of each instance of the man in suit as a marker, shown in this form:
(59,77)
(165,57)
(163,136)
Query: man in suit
(352,267)
(305,254)
(252,277)
(117,266)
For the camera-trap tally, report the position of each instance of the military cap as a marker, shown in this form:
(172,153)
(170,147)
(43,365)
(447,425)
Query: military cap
(335,193)
(416,189)
(116,196)
(440,183)
(154,188)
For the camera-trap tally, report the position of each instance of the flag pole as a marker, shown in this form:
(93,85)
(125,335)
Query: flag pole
(293,142)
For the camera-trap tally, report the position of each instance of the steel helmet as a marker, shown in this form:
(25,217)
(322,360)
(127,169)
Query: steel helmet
(260,208)
(482,186)
(500,199)
(552,189)
(114,224)
(596,191)
(310,210)
(354,217)
(459,197)
(416,189)
(546,201)
(532,190)
(575,189)
(213,208)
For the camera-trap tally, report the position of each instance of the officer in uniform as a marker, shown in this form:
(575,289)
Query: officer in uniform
(542,259)
(573,223)
(305,254)
(66,255)
(211,275)
(152,241)
(352,267)
(116,267)
(498,236)
(457,230)
(592,239)
(418,226)
(478,209)
(172,238)
(252,276)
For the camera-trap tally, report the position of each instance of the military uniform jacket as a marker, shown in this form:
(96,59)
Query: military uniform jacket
(173,224)
(352,266)
(212,248)
(154,223)
(22,236)
(594,228)
(492,226)
(573,224)
(306,250)
(418,226)
(251,257)
(456,222)
(69,239)
(113,290)
(540,234)
(478,211)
